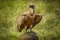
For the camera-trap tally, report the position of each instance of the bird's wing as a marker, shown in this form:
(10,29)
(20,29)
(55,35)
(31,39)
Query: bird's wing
(37,19)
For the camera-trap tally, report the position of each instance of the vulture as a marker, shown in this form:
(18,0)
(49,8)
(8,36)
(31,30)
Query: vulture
(28,19)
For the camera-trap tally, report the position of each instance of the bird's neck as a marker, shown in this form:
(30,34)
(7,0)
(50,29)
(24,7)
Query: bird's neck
(32,11)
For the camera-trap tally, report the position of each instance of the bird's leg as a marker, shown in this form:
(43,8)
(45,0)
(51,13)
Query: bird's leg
(31,28)
(25,28)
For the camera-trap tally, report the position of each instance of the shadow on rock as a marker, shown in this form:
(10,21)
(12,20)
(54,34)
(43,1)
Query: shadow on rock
(30,36)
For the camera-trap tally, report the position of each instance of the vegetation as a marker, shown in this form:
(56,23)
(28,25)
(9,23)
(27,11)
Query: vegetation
(47,29)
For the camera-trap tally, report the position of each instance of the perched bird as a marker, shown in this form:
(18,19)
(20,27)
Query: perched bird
(28,19)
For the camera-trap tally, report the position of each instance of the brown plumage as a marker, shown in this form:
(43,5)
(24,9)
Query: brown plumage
(37,19)
(28,19)
(25,21)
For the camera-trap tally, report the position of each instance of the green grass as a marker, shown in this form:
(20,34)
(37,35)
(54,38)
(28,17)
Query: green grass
(47,29)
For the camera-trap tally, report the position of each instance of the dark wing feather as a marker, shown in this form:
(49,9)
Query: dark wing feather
(37,19)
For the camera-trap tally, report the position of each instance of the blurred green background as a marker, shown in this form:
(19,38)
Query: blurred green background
(47,29)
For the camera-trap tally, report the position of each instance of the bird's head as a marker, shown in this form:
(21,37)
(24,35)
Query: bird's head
(32,7)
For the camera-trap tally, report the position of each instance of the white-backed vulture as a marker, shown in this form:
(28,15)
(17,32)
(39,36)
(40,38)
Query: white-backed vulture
(28,19)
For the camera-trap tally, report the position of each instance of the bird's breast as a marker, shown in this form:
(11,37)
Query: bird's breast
(29,20)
